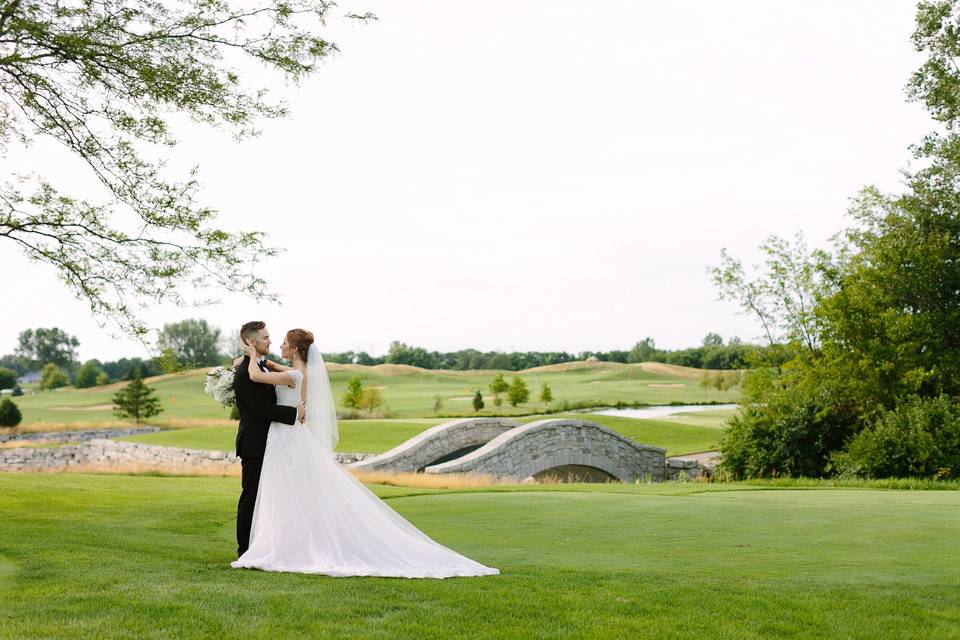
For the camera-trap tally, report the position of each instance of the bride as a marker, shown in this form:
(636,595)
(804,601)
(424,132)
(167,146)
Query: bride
(311,514)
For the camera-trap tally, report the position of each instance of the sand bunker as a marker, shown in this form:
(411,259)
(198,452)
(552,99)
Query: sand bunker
(572,366)
(91,407)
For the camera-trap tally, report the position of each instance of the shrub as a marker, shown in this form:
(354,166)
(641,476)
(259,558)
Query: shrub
(793,433)
(17,391)
(477,401)
(918,439)
(9,413)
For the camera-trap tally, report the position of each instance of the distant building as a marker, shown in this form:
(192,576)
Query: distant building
(28,378)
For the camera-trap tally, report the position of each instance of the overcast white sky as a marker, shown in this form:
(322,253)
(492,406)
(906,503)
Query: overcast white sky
(539,175)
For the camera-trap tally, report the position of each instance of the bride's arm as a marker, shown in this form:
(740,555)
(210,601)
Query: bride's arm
(276,366)
(281,378)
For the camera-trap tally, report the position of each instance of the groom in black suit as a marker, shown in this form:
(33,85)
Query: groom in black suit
(257,406)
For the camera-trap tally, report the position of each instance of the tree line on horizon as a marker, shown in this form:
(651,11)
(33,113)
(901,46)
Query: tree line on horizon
(193,343)
(712,353)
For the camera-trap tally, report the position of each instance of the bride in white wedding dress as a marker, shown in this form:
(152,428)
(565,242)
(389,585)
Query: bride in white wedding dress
(311,514)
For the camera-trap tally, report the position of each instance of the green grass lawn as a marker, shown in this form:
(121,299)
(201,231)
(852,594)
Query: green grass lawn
(411,395)
(377,436)
(373,436)
(148,557)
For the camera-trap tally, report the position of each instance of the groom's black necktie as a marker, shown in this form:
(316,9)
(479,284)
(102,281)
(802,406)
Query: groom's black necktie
(262,366)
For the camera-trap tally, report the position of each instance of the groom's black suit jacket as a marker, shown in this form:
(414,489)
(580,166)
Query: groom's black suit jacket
(257,405)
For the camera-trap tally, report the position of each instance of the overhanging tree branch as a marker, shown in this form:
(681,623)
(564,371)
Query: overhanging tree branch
(101,77)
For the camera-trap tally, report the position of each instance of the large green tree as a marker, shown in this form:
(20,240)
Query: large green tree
(102,78)
(865,333)
(8,378)
(90,374)
(52,377)
(193,342)
(48,346)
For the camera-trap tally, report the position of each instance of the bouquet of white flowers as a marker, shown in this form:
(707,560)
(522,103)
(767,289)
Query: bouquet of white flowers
(219,386)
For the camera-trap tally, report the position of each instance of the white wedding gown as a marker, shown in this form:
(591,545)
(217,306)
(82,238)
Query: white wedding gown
(313,516)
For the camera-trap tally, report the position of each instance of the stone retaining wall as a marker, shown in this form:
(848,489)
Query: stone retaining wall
(683,469)
(76,436)
(109,453)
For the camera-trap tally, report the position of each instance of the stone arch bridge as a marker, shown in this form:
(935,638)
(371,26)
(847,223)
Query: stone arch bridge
(503,448)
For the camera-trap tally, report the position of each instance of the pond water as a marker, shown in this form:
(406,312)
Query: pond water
(663,410)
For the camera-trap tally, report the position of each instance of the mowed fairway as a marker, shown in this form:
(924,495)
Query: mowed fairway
(409,392)
(686,433)
(147,557)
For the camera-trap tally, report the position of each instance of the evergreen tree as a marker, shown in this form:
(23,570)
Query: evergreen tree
(478,401)
(136,400)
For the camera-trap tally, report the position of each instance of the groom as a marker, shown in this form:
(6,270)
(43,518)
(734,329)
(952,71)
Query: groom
(257,406)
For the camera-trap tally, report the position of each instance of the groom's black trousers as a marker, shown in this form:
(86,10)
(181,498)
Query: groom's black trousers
(249,482)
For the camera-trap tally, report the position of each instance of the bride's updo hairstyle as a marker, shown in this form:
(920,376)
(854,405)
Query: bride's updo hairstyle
(300,339)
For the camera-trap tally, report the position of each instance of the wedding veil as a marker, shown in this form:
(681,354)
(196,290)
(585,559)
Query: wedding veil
(321,411)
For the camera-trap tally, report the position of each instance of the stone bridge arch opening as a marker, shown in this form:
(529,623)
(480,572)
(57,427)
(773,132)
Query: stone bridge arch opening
(453,455)
(574,473)
(438,445)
